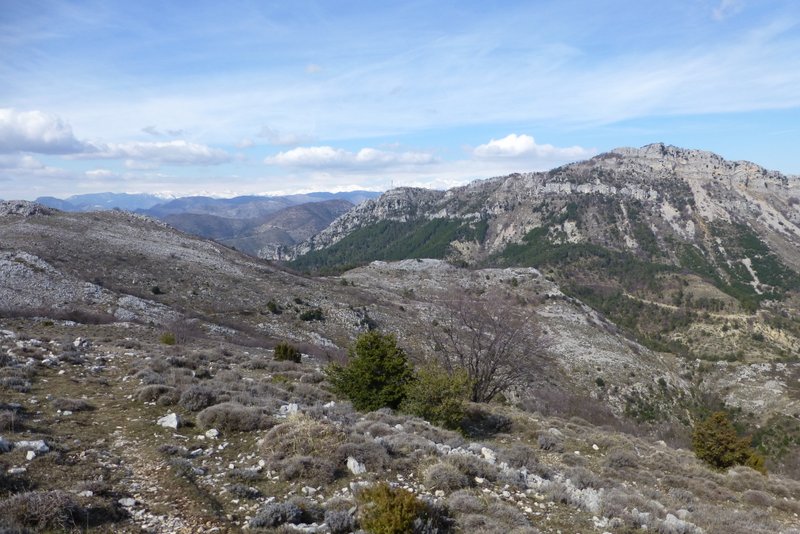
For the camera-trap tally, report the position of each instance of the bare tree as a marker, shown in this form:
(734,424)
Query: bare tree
(497,341)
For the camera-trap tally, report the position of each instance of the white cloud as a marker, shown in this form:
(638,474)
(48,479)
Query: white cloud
(726,8)
(326,156)
(100,173)
(36,131)
(162,152)
(19,161)
(313,68)
(516,146)
(274,137)
(137,165)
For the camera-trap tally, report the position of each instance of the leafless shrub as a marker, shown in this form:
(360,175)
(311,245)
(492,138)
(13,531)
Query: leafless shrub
(555,402)
(44,510)
(340,521)
(308,393)
(571,459)
(491,339)
(232,417)
(149,376)
(433,433)
(404,444)
(183,468)
(369,453)
(227,376)
(10,420)
(632,508)
(72,405)
(78,315)
(732,521)
(549,442)
(301,436)
(472,466)
(518,456)
(197,397)
(276,514)
(375,429)
(244,492)
(152,392)
(464,502)
(758,498)
(487,515)
(385,415)
(510,516)
(312,470)
(445,476)
(620,458)
(15,383)
(682,496)
(583,478)
(312,378)
(741,478)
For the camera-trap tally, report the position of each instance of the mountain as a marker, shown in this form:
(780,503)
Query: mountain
(261,236)
(653,237)
(248,207)
(141,391)
(102,201)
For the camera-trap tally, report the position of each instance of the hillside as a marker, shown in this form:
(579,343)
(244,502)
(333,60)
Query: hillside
(688,252)
(260,236)
(111,321)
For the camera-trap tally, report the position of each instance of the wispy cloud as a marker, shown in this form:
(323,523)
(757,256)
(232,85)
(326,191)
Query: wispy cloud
(277,138)
(164,152)
(326,156)
(727,8)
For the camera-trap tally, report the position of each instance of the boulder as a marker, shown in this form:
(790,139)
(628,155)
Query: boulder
(171,420)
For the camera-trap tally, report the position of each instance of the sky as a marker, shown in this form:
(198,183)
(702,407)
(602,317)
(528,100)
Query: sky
(264,97)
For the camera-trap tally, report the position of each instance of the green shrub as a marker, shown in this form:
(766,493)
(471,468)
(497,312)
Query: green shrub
(168,338)
(387,510)
(715,442)
(376,374)
(314,314)
(437,396)
(286,352)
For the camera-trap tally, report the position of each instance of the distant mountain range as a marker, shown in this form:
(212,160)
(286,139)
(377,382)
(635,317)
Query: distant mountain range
(240,207)
(257,225)
(102,201)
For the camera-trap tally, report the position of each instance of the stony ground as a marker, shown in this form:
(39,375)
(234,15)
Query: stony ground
(94,395)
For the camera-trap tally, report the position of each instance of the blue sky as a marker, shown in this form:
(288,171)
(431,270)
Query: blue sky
(274,97)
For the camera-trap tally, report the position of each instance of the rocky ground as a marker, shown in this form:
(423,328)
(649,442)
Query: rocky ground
(89,429)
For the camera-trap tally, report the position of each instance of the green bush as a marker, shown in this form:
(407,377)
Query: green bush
(387,510)
(376,374)
(168,338)
(286,352)
(715,442)
(438,397)
(314,314)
